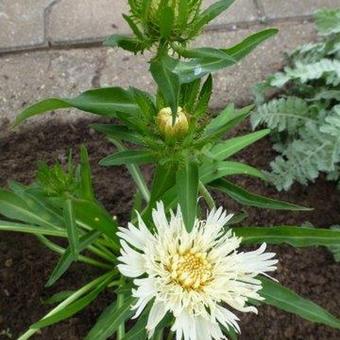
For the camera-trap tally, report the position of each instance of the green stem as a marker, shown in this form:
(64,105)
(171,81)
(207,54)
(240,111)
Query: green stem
(68,301)
(121,328)
(170,335)
(158,335)
(60,250)
(206,194)
(100,253)
(135,173)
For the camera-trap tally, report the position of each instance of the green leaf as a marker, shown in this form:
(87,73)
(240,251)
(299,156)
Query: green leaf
(95,216)
(167,17)
(189,94)
(126,43)
(187,191)
(204,97)
(134,27)
(287,300)
(71,227)
(30,229)
(104,102)
(294,236)
(128,157)
(135,173)
(145,102)
(199,67)
(109,321)
(242,49)
(228,115)
(67,258)
(211,171)
(167,82)
(74,307)
(222,124)
(245,197)
(14,207)
(138,331)
(119,132)
(58,297)
(210,13)
(164,179)
(87,192)
(234,145)
(39,204)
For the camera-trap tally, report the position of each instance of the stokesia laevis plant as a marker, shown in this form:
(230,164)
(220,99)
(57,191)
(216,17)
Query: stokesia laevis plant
(197,276)
(174,271)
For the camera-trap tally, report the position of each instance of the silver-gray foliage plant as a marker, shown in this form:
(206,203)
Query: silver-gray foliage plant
(306,118)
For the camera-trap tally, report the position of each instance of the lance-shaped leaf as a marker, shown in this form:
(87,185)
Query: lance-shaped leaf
(245,197)
(14,207)
(86,188)
(129,157)
(228,115)
(119,132)
(74,307)
(204,97)
(71,228)
(287,300)
(209,14)
(109,321)
(167,17)
(164,179)
(31,229)
(294,236)
(223,123)
(95,216)
(187,190)
(168,83)
(211,171)
(198,67)
(234,145)
(105,102)
(127,43)
(67,258)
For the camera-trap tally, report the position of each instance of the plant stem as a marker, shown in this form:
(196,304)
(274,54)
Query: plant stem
(135,173)
(60,250)
(206,194)
(121,328)
(170,335)
(68,301)
(158,335)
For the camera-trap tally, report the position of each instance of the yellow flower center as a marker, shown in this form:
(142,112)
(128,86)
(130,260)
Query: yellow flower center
(191,270)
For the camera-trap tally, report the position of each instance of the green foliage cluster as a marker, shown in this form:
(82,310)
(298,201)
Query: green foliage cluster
(305,120)
(61,203)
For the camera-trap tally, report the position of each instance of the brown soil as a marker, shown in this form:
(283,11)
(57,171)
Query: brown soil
(25,264)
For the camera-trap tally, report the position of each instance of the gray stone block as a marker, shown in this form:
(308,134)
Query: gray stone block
(22,23)
(295,8)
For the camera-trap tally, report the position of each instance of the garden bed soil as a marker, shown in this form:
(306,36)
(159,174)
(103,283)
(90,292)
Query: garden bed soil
(25,264)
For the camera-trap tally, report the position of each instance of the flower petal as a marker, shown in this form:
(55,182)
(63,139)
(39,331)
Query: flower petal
(156,315)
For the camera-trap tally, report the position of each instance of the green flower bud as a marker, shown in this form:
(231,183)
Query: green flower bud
(165,123)
(151,17)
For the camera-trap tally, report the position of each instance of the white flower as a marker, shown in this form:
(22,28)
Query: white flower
(194,275)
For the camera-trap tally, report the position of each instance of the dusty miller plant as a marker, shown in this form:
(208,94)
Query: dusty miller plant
(177,272)
(305,119)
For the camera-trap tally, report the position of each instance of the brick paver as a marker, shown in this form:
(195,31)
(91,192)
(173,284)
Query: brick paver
(22,23)
(30,75)
(73,20)
(78,20)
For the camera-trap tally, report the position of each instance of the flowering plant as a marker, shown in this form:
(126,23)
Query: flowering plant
(178,274)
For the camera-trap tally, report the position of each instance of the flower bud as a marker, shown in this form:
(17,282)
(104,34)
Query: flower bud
(166,126)
(151,17)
